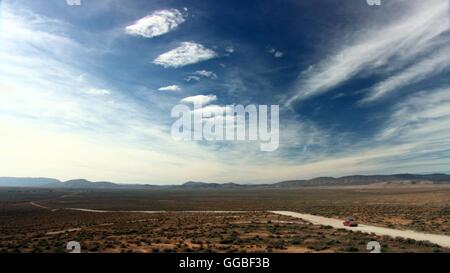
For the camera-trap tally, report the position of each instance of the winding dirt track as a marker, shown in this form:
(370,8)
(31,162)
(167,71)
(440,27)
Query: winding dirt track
(38,206)
(441,240)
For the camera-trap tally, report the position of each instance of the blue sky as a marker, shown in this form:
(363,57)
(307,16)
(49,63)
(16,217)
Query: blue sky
(86,91)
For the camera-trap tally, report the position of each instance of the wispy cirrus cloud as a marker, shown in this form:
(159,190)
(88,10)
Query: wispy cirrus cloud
(423,117)
(199,74)
(53,112)
(431,65)
(390,47)
(192,78)
(206,74)
(156,24)
(187,53)
(96,91)
(422,124)
(170,88)
(54,102)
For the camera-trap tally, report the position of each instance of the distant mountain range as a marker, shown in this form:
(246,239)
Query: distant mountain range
(354,180)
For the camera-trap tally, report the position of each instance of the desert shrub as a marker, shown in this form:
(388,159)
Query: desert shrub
(155,250)
(227,241)
(278,245)
(351,249)
(436,250)
(297,241)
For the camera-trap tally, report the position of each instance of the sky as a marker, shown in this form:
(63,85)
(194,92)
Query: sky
(87,91)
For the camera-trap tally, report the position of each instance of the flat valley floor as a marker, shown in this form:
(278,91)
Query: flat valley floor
(44,220)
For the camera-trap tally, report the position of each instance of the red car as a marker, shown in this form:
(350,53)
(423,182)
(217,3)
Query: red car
(350,222)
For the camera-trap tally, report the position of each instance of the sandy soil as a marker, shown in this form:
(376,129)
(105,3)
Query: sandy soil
(441,240)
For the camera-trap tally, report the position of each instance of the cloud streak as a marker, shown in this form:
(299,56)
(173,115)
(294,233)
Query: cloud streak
(59,98)
(399,44)
(170,88)
(202,99)
(97,91)
(429,66)
(187,53)
(156,24)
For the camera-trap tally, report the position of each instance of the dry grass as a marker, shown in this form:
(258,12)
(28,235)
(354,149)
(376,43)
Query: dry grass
(40,230)
(25,228)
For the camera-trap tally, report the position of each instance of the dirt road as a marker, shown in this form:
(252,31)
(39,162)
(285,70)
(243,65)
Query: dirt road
(158,211)
(38,206)
(441,240)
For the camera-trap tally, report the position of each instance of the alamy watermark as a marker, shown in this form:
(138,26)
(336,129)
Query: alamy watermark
(74,246)
(228,123)
(374,246)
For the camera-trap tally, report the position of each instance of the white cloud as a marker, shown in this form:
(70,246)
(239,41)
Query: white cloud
(170,88)
(197,75)
(96,91)
(158,23)
(192,78)
(44,118)
(431,65)
(229,49)
(206,74)
(388,47)
(203,99)
(276,53)
(421,123)
(210,111)
(424,117)
(187,53)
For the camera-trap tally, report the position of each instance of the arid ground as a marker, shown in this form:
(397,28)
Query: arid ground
(39,220)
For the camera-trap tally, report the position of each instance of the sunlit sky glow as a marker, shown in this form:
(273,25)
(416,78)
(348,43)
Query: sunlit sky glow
(86,91)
